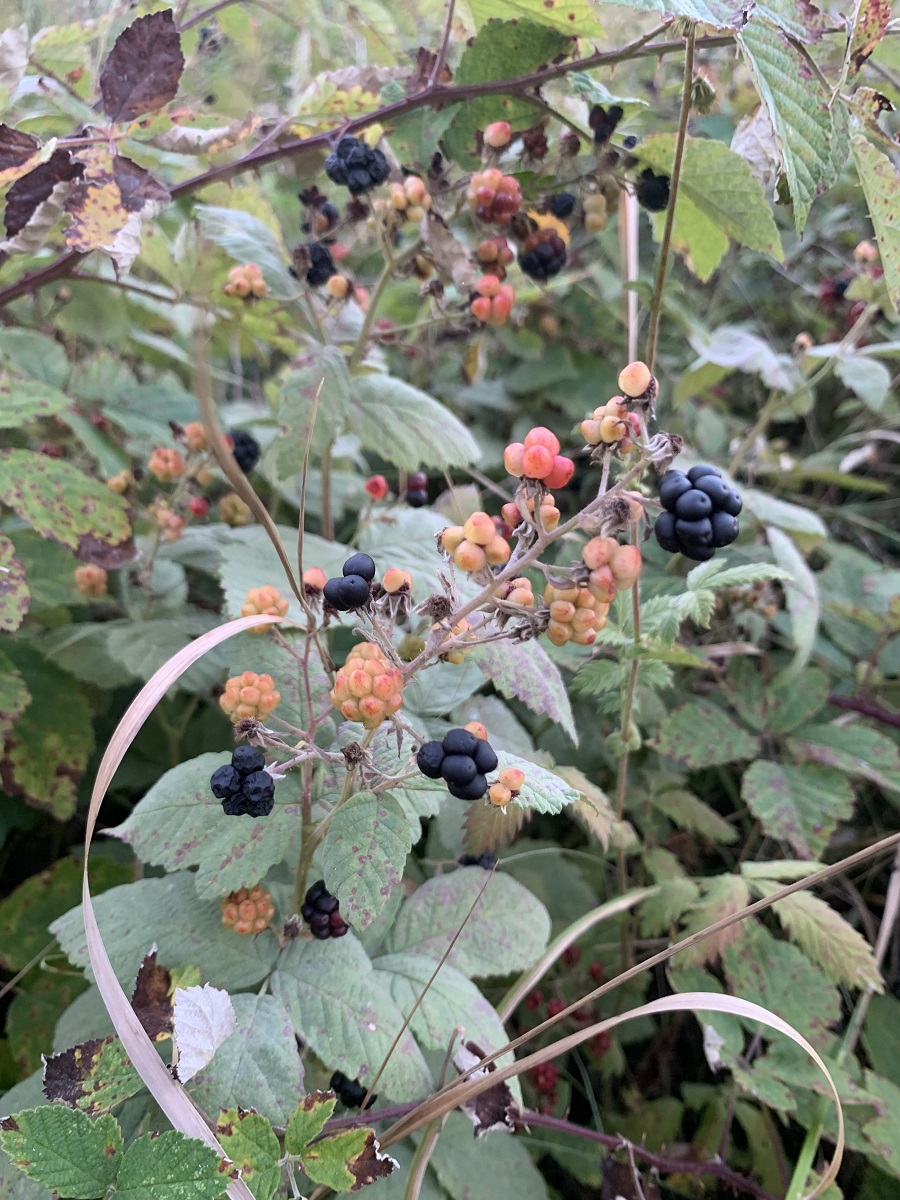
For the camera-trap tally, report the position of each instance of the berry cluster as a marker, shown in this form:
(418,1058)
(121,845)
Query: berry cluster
(410,198)
(700,515)
(417,490)
(545,1078)
(493,300)
(538,457)
(495,197)
(356,166)
(91,580)
(248,910)
(321,911)
(596,212)
(612,425)
(486,860)
(496,253)
(509,784)
(462,760)
(613,567)
(245,449)
(246,282)
(476,544)
(352,589)
(350,1092)
(194,436)
(264,601)
(166,465)
(543,254)
(547,512)
(517,591)
(170,523)
(234,511)
(249,697)
(367,688)
(244,787)
(576,614)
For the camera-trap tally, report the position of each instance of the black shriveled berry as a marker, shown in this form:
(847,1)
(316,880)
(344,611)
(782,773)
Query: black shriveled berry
(356,166)
(458,769)
(321,264)
(350,1092)
(693,505)
(246,759)
(486,860)
(543,255)
(225,782)
(561,205)
(470,791)
(354,592)
(652,191)
(603,121)
(416,497)
(360,564)
(460,741)
(332,593)
(429,759)
(259,792)
(485,758)
(245,449)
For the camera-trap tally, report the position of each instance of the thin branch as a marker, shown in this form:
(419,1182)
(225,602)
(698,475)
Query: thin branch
(866,708)
(441,56)
(205,13)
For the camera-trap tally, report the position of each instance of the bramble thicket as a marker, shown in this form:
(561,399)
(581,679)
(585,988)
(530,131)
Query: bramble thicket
(449,694)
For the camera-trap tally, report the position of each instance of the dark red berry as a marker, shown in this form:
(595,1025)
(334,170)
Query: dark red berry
(556,1006)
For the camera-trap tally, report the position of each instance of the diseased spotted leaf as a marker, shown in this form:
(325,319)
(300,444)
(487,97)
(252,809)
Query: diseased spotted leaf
(701,735)
(872,17)
(853,749)
(14,593)
(36,199)
(109,203)
(688,811)
(143,69)
(525,671)
(66,1150)
(61,503)
(308,1120)
(14,696)
(19,153)
(574,17)
(93,1077)
(800,805)
(346,1161)
(250,1143)
(170,1166)
(881,184)
(364,854)
(26,400)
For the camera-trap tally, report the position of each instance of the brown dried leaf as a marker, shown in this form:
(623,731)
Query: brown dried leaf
(369,1166)
(183,139)
(31,190)
(137,187)
(451,257)
(109,204)
(153,998)
(143,69)
(492,1109)
(18,153)
(93,1077)
(872,19)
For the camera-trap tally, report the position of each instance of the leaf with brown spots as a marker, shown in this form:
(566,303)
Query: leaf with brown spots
(364,854)
(14,695)
(29,192)
(153,998)
(881,184)
(250,1143)
(109,204)
(346,1161)
(93,1077)
(61,503)
(19,152)
(872,17)
(14,593)
(143,69)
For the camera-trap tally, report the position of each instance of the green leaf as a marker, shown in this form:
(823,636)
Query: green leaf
(881,1035)
(319,371)
(778,976)
(721,187)
(853,749)
(345,1015)
(14,695)
(770,510)
(881,184)
(248,239)
(780,705)
(25,400)
(865,376)
(500,50)
(93,1077)
(308,1120)
(497,1167)
(49,569)
(59,502)
(407,426)
(507,931)
(257,1066)
(525,671)
(249,560)
(840,950)
(364,854)
(418,796)
(723,896)
(697,238)
(810,130)
(179,824)
(882,1133)
(35,354)
(66,1150)
(170,1166)
(688,811)
(800,805)
(188,932)
(250,1142)
(543,790)
(576,18)
(405,538)
(346,1161)
(33,1015)
(700,735)
(802,595)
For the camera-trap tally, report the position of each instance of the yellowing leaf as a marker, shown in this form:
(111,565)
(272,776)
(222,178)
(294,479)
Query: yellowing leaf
(109,202)
(881,184)
(575,17)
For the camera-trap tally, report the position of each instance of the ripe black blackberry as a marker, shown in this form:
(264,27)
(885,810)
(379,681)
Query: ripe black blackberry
(321,264)
(244,787)
(356,166)
(351,589)
(417,490)
(321,911)
(245,449)
(652,190)
(350,1092)
(700,515)
(543,255)
(462,760)
(561,205)
(603,121)
(486,860)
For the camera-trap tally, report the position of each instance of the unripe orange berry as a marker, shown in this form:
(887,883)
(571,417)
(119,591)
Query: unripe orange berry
(510,513)
(338,286)
(314,579)
(602,583)
(512,778)
(264,600)
(165,464)
(479,528)
(415,189)
(91,580)
(590,431)
(626,566)
(866,252)
(499,795)
(396,580)
(501,306)
(513,457)
(120,483)
(481,308)
(452,537)
(537,462)
(598,552)
(497,551)
(234,511)
(478,729)
(249,697)
(634,380)
(557,633)
(612,429)
(562,611)
(377,487)
(541,436)
(195,436)
(549,517)
(470,557)
(497,135)
(488,285)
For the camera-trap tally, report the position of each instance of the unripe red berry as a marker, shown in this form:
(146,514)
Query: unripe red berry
(198,505)
(377,487)
(541,436)
(537,462)
(497,135)
(556,1006)
(562,472)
